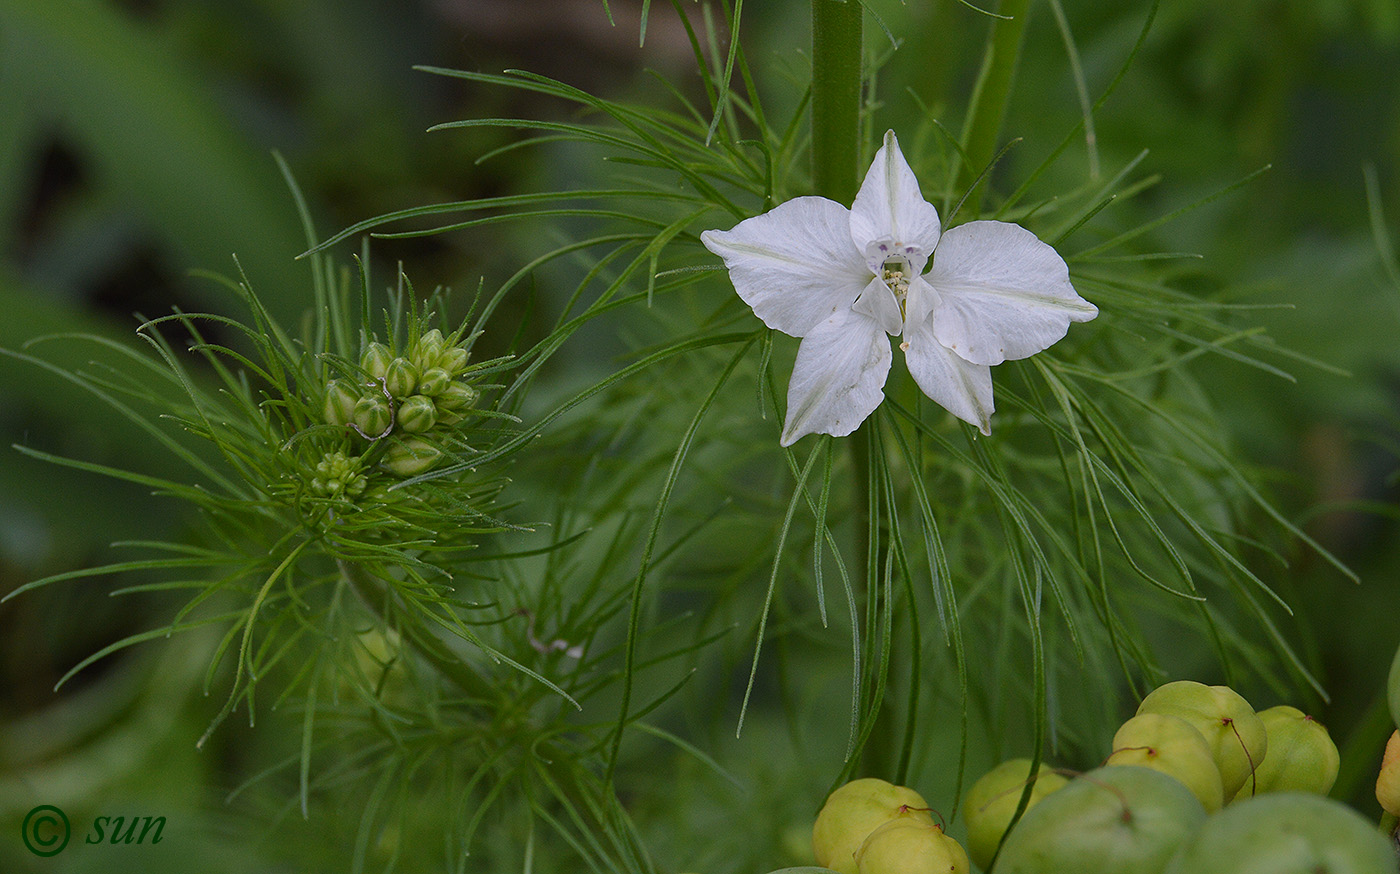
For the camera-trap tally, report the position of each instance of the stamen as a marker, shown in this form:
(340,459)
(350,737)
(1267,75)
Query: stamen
(892,273)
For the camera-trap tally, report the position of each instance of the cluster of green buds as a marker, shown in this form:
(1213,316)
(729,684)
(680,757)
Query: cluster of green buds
(338,476)
(406,395)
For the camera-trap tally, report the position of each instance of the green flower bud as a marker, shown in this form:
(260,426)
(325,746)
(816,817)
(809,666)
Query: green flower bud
(457,396)
(339,408)
(427,350)
(338,475)
(453,359)
(376,360)
(400,377)
(433,381)
(410,456)
(417,414)
(373,416)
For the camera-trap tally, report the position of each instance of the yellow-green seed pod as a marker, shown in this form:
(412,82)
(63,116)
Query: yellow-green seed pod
(910,844)
(410,456)
(339,408)
(992,801)
(855,810)
(417,414)
(1301,757)
(457,396)
(1176,748)
(1236,735)
(376,360)
(1388,783)
(373,416)
(400,378)
(433,381)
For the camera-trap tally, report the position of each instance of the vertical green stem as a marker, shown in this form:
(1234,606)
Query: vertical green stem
(836,81)
(983,127)
(836,86)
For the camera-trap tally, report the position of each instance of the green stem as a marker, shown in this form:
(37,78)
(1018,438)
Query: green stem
(372,593)
(983,127)
(836,82)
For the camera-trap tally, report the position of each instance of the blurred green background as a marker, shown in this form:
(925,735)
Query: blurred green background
(136,143)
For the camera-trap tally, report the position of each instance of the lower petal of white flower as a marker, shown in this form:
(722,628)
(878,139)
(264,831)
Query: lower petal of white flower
(1003,294)
(959,386)
(839,377)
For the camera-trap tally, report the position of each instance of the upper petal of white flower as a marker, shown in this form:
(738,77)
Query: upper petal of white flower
(795,264)
(1002,293)
(890,216)
(959,386)
(838,378)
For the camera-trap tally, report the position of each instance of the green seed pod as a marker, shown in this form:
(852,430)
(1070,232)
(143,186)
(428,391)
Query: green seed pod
(376,360)
(1285,833)
(339,407)
(410,456)
(400,378)
(993,799)
(1174,747)
(433,381)
(855,810)
(910,844)
(457,396)
(426,351)
(1122,819)
(1388,783)
(1301,758)
(1234,731)
(417,414)
(373,416)
(453,359)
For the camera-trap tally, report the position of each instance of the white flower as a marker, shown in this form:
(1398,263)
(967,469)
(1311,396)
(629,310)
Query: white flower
(842,279)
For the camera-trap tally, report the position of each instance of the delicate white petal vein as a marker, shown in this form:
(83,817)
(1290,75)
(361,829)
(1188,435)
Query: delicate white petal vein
(838,378)
(795,264)
(1003,294)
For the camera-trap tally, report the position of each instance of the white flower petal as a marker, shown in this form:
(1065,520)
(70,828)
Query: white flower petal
(1002,293)
(838,378)
(878,302)
(920,302)
(795,264)
(960,387)
(890,217)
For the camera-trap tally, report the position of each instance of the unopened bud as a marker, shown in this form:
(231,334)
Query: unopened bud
(339,408)
(373,416)
(457,396)
(453,359)
(410,456)
(400,377)
(433,381)
(417,414)
(428,348)
(376,360)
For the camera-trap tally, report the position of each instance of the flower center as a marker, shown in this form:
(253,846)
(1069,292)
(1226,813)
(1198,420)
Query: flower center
(895,274)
